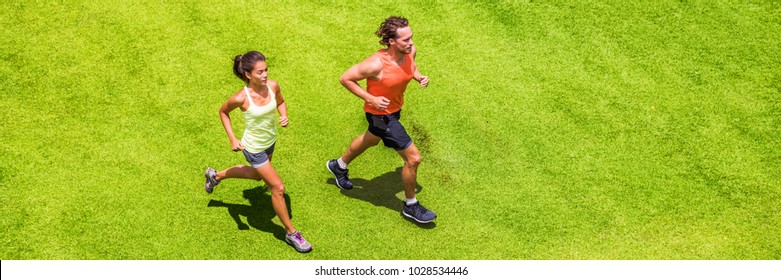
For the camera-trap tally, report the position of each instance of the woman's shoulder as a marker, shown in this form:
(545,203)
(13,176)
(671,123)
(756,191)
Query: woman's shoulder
(273,85)
(238,96)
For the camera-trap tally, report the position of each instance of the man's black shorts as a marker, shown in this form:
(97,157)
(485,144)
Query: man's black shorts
(390,130)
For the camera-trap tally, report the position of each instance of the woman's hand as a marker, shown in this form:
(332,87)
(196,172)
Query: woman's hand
(236,145)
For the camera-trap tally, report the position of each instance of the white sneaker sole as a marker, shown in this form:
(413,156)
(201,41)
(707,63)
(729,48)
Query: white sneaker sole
(419,221)
(296,248)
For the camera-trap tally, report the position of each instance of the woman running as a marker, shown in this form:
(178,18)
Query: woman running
(258,99)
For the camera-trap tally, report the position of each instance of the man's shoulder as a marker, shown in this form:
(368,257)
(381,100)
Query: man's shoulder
(376,56)
(373,63)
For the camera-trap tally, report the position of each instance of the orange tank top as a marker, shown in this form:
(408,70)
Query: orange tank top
(393,83)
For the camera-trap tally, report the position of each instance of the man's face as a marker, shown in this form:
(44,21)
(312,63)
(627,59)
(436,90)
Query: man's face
(403,42)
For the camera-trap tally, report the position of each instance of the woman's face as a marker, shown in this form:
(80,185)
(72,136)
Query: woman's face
(259,75)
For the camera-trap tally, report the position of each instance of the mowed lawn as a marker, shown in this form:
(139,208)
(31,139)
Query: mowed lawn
(550,130)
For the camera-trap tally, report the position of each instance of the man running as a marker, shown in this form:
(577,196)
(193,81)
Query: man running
(387,73)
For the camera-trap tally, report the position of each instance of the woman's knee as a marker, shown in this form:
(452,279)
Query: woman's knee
(277,189)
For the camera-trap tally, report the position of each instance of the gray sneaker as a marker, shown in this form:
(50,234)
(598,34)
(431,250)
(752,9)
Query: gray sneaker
(298,242)
(211,180)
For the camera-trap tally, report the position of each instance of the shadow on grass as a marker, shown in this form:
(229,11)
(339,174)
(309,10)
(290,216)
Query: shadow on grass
(381,191)
(259,212)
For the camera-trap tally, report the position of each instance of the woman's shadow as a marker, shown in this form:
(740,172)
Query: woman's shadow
(259,212)
(382,191)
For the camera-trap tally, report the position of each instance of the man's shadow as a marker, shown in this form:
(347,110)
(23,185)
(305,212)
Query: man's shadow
(259,212)
(381,191)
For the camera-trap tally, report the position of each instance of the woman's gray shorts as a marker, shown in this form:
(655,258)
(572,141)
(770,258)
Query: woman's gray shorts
(259,159)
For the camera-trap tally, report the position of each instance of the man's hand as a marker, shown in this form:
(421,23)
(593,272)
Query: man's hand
(379,102)
(423,81)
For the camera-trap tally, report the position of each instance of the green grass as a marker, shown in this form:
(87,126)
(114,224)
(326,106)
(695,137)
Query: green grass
(550,130)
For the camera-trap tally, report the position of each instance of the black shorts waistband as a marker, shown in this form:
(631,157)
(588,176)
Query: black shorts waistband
(392,116)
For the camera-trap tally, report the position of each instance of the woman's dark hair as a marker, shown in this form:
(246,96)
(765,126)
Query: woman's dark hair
(388,29)
(243,63)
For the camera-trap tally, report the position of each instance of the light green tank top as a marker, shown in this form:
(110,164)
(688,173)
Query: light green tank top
(261,130)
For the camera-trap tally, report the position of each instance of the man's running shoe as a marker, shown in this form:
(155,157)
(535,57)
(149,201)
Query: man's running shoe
(341,175)
(418,213)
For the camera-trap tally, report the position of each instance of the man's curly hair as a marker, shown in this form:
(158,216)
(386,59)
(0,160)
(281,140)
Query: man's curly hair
(388,29)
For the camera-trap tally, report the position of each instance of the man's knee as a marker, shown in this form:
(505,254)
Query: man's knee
(414,159)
